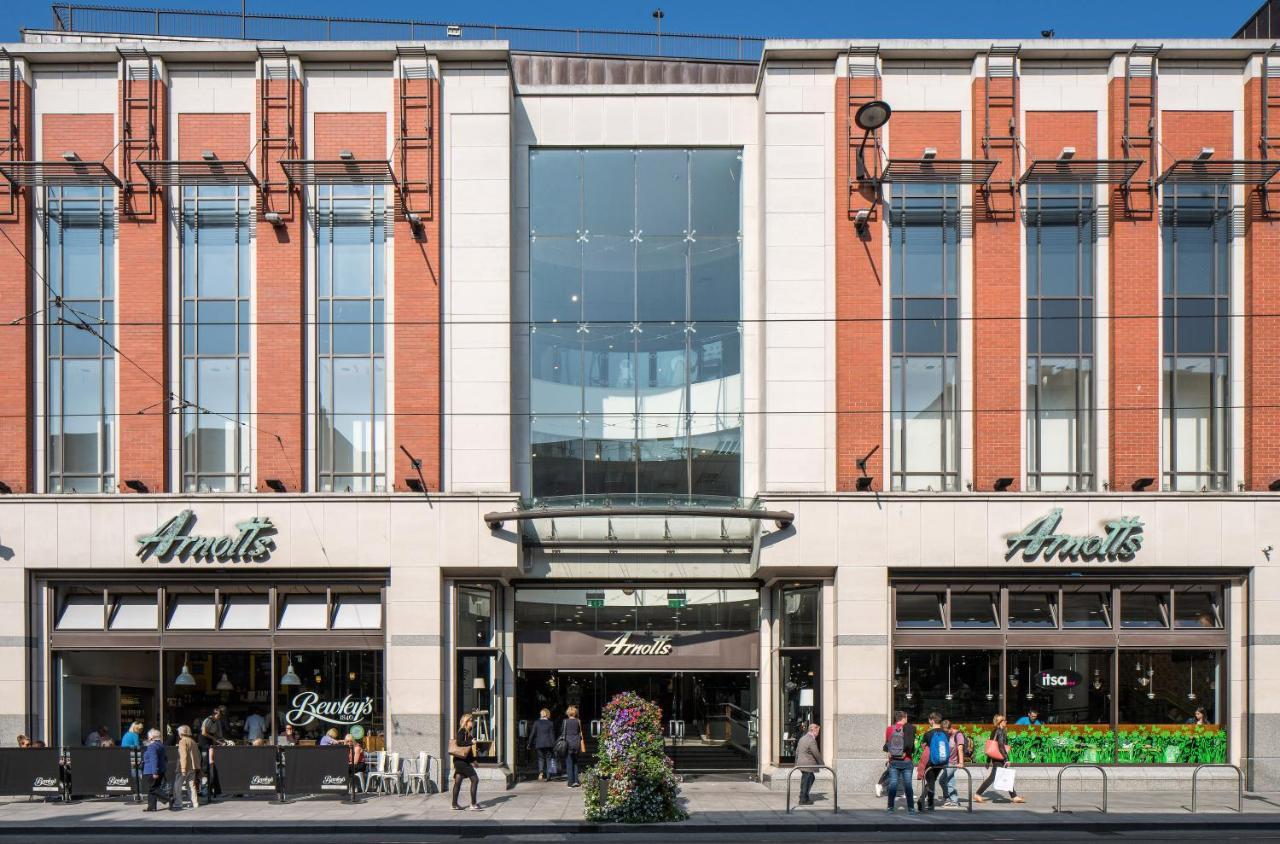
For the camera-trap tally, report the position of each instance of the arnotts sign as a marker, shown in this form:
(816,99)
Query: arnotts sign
(623,646)
(1039,539)
(171,541)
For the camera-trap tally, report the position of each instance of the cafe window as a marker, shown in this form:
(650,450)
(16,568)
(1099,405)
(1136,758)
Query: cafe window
(246,612)
(1086,606)
(1032,607)
(962,685)
(338,689)
(1170,705)
(1060,686)
(80,611)
(799,664)
(974,607)
(357,612)
(133,612)
(191,612)
(1197,607)
(303,612)
(919,607)
(1144,607)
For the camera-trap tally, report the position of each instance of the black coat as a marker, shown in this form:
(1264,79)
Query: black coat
(543,734)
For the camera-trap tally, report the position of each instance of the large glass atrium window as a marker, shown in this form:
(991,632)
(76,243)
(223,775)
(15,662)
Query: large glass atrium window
(351,362)
(80,374)
(635,302)
(216,261)
(1060,251)
(1197,284)
(924,229)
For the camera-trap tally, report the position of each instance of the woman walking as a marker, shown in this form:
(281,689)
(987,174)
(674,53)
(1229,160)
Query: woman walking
(574,743)
(997,757)
(463,750)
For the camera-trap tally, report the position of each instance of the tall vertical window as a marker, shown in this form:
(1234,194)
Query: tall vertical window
(80,374)
(1197,284)
(1061,230)
(635,299)
(924,229)
(799,664)
(351,363)
(215,338)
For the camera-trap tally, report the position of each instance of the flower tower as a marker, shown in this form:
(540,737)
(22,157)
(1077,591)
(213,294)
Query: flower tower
(633,780)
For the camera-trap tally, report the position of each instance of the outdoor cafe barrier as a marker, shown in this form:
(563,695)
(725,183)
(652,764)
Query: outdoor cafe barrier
(30,772)
(101,771)
(1239,784)
(247,770)
(1057,807)
(314,770)
(835,788)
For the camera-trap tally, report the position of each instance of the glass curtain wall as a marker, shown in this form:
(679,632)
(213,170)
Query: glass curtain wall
(924,231)
(80,317)
(635,302)
(1197,297)
(1061,233)
(216,278)
(350,320)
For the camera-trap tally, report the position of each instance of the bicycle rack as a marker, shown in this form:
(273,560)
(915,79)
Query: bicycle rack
(969,775)
(1057,807)
(1239,784)
(835,790)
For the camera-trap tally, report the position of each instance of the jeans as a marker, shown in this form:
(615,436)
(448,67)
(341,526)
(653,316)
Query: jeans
(571,767)
(544,761)
(900,771)
(948,780)
(929,786)
(806,783)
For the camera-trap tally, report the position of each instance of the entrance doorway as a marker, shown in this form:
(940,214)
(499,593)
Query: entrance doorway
(710,721)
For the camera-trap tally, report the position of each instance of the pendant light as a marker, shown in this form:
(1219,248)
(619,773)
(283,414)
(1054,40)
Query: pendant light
(1097,679)
(1151,682)
(1030,685)
(184,677)
(910,694)
(1191,686)
(948,695)
(290,677)
(224,685)
(1071,690)
(990,694)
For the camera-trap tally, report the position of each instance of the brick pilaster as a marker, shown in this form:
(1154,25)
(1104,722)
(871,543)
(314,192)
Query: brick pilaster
(17,303)
(1262,304)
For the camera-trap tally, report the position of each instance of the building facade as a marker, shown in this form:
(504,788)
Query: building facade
(370,384)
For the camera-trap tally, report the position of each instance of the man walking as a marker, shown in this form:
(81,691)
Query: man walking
(900,745)
(153,769)
(935,754)
(959,754)
(808,752)
(188,768)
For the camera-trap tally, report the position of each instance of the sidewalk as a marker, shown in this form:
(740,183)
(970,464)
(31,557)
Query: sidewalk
(547,808)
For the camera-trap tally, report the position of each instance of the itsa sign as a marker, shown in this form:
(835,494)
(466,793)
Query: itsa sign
(172,541)
(1041,539)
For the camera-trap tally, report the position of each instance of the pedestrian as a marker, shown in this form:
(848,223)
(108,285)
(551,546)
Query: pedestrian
(574,743)
(935,753)
(212,732)
(288,738)
(463,749)
(1031,719)
(1199,718)
(95,737)
(331,737)
(542,738)
(997,757)
(133,738)
(153,764)
(23,741)
(255,726)
(900,746)
(808,753)
(959,753)
(188,768)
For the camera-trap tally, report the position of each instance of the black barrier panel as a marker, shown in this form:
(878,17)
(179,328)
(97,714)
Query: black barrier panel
(101,770)
(315,770)
(246,770)
(27,771)
(171,764)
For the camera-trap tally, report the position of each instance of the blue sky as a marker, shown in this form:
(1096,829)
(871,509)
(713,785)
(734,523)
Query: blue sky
(1141,19)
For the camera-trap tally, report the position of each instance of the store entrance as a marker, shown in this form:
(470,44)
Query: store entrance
(710,723)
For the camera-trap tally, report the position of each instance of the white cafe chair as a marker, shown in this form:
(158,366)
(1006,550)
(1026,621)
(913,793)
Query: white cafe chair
(391,778)
(368,779)
(415,779)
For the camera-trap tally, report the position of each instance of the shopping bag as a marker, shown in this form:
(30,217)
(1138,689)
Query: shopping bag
(553,766)
(1004,780)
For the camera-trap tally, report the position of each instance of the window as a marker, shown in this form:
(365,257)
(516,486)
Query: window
(246,612)
(303,612)
(478,673)
(1032,607)
(475,616)
(80,611)
(919,608)
(1197,284)
(799,663)
(924,230)
(635,346)
(1062,687)
(1144,606)
(80,366)
(974,607)
(357,612)
(1180,690)
(216,277)
(133,612)
(191,612)
(1060,256)
(964,686)
(1086,606)
(800,616)
(1197,607)
(350,322)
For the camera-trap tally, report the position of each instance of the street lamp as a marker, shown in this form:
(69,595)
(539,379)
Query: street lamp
(869,117)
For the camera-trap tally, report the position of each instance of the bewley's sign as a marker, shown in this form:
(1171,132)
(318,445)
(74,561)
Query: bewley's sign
(308,707)
(171,541)
(1040,539)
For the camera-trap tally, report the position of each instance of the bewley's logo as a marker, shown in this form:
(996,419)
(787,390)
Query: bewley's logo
(117,783)
(623,646)
(1121,544)
(308,707)
(44,784)
(171,541)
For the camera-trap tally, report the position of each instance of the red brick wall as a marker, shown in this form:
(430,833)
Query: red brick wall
(417,302)
(225,135)
(17,420)
(860,288)
(997,294)
(363,133)
(1133,332)
(279,311)
(1261,296)
(142,305)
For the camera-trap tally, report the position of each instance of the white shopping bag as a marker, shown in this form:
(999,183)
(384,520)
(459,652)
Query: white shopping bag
(1004,779)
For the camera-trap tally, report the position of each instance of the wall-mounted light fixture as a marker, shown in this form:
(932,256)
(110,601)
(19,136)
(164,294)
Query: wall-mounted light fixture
(1003,484)
(1141,484)
(275,485)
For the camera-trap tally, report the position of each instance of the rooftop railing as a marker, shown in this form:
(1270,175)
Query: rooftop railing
(257,26)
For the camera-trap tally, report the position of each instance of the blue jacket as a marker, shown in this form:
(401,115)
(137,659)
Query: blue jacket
(153,759)
(131,739)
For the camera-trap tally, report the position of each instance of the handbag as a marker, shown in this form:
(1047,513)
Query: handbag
(1004,780)
(992,748)
(458,752)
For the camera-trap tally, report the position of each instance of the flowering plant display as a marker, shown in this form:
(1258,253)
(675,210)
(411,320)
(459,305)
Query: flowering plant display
(633,780)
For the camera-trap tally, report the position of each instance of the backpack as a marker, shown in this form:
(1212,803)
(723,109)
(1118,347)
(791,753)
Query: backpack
(939,748)
(897,743)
